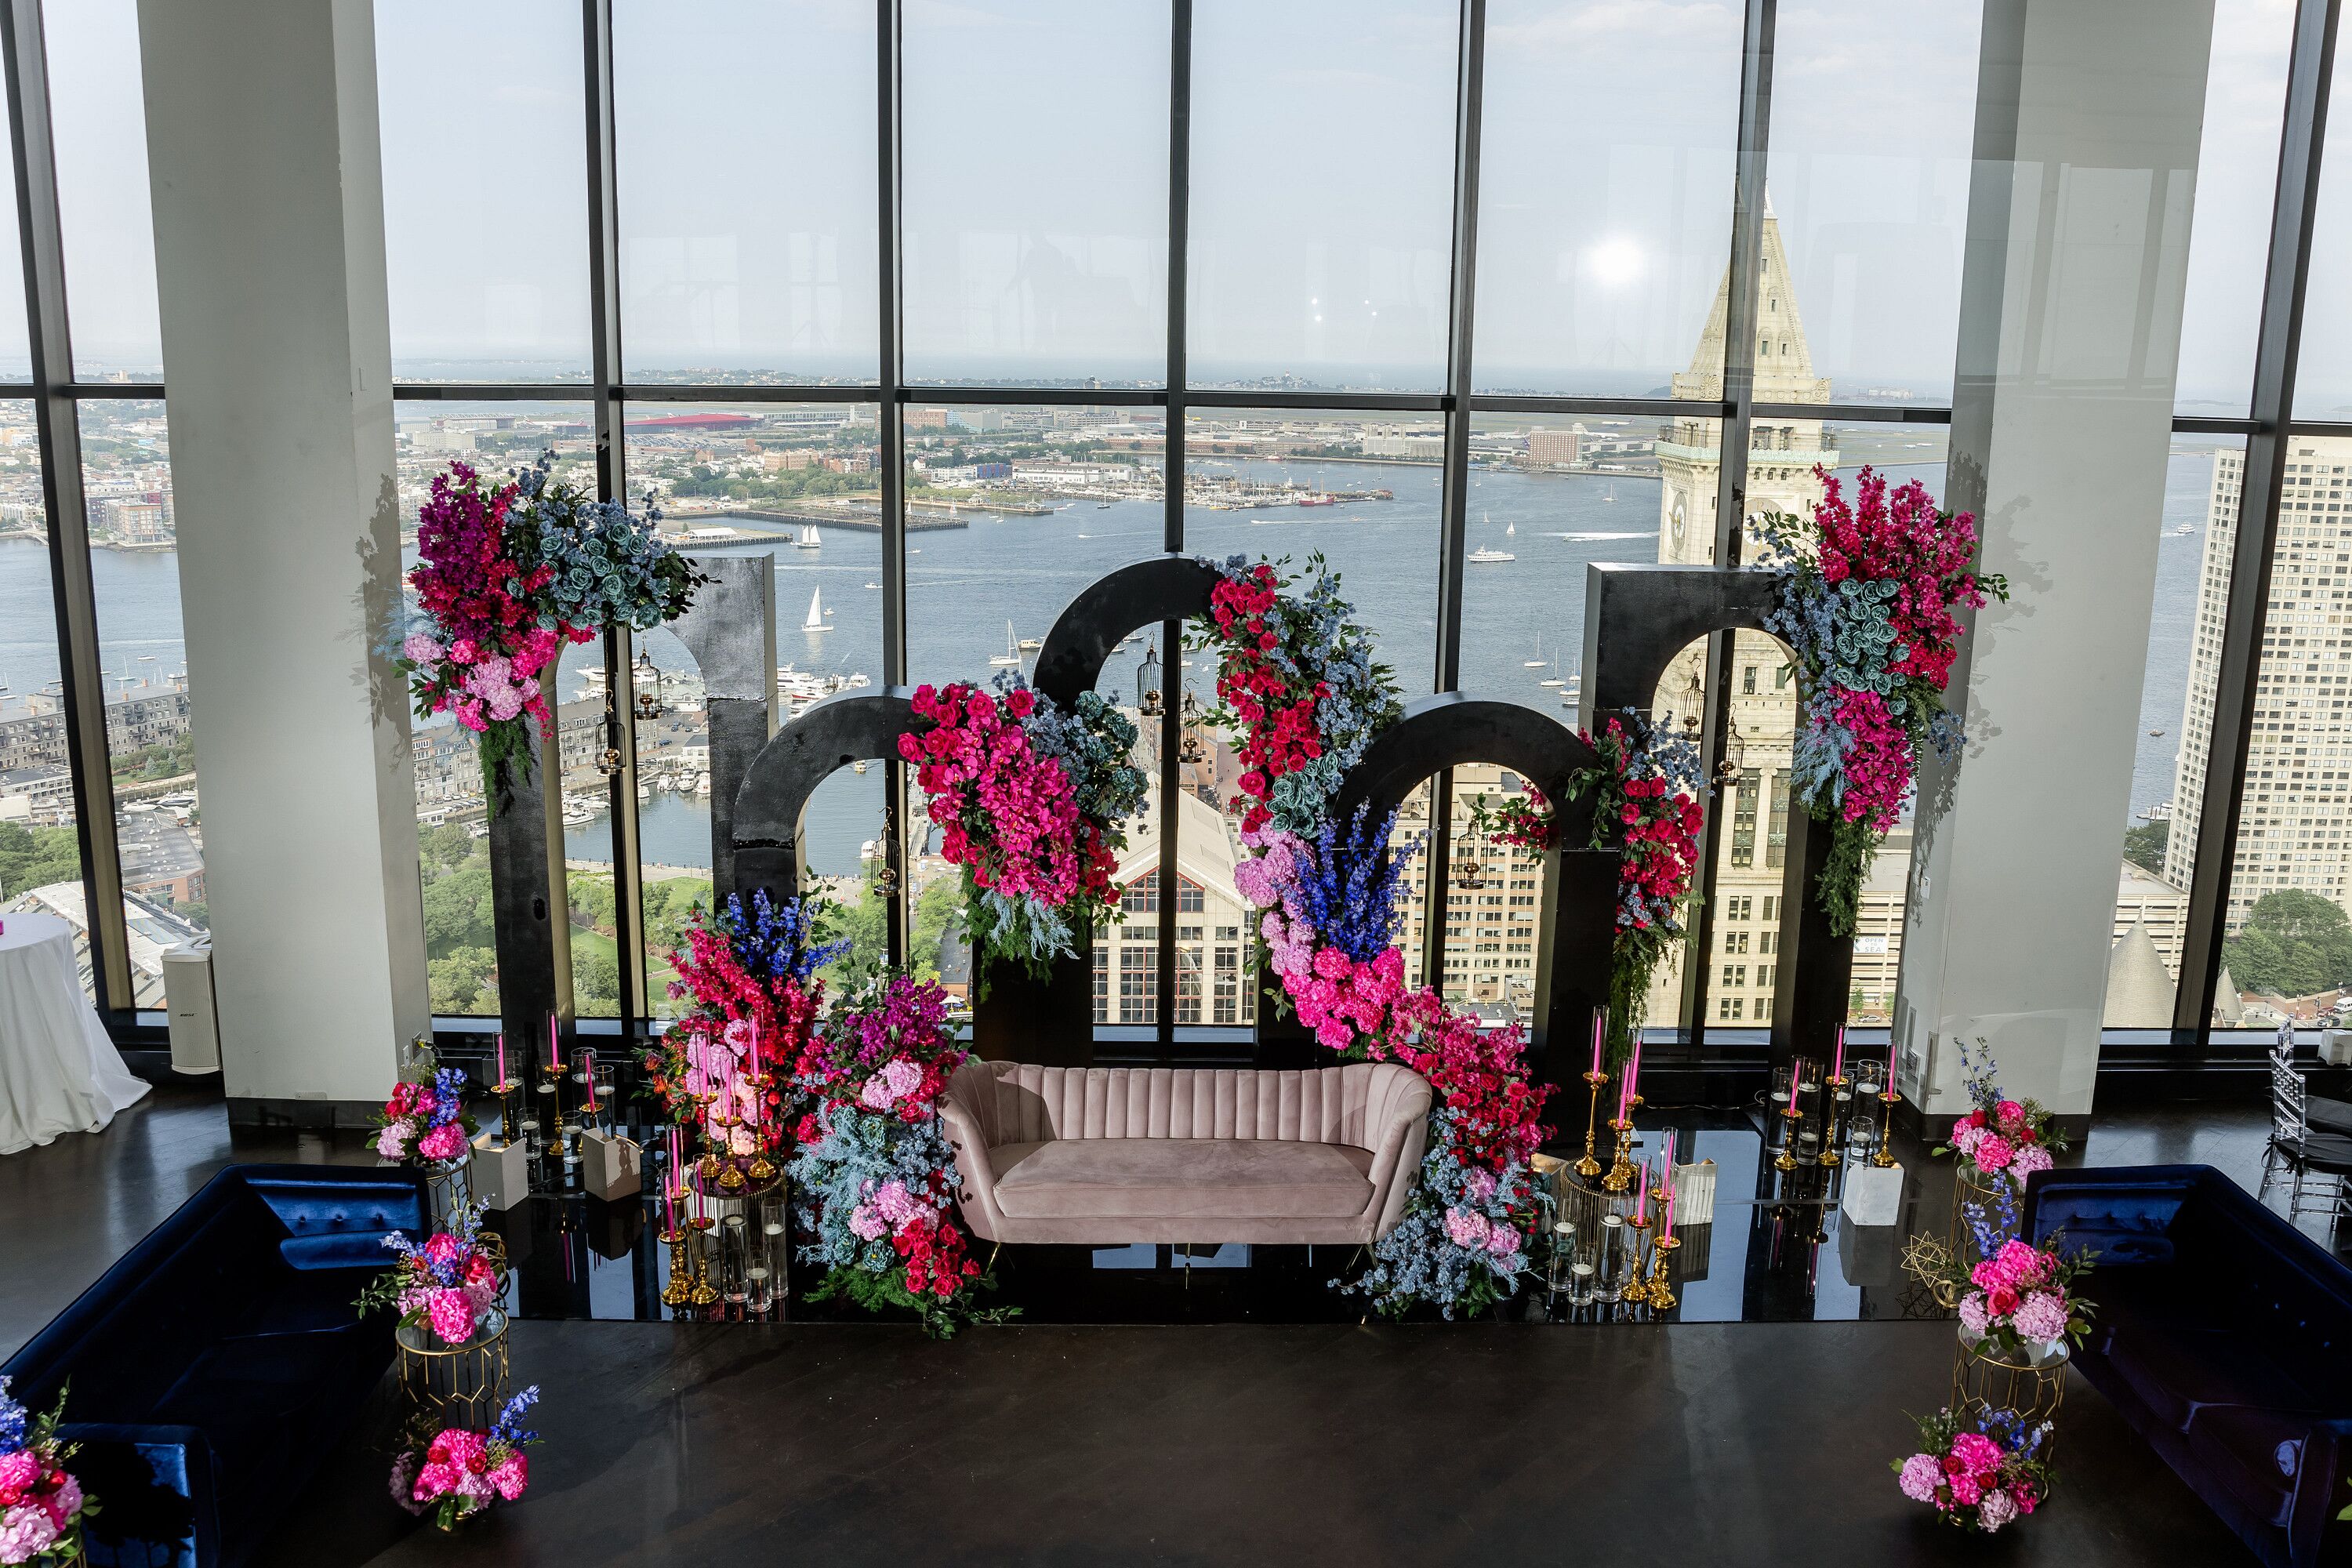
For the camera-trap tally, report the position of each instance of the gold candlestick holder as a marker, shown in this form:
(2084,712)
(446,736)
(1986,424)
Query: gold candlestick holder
(1833,1129)
(1621,1172)
(1637,1287)
(510,1116)
(1787,1161)
(1662,1293)
(705,1292)
(1590,1167)
(1888,1097)
(680,1289)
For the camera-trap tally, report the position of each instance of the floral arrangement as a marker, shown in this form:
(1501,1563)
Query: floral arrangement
(1029,799)
(426,1123)
(2003,1139)
(1526,819)
(1295,677)
(874,1178)
(1331,921)
(457,1472)
(1868,600)
(1980,1475)
(448,1285)
(750,970)
(507,575)
(42,1506)
(1647,789)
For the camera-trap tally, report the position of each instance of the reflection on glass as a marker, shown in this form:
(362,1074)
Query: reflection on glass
(135,568)
(452,846)
(1605,195)
(1869,181)
(485,190)
(793,482)
(2323,388)
(1336,273)
(100,121)
(2237,180)
(714,286)
(1036,192)
(40,857)
(1494,900)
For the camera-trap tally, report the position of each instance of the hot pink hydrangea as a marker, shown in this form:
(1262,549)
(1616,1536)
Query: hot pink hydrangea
(445,1141)
(1976,1452)
(1992,1152)
(2009,1115)
(451,1313)
(1921,1476)
(18,1469)
(1965,1488)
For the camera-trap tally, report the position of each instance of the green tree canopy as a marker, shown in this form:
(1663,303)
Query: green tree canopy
(2293,942)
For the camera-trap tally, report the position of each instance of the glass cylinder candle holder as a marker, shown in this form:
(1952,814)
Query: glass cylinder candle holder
(734,1260)
(773,1241)
(1563,1256)
(759,1298)
(533,1146)
(1611,1264)
(1583,1285)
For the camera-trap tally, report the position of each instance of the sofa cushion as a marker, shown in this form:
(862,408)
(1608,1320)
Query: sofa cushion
(2176,1368)
(1123,1178)
(2257,1454)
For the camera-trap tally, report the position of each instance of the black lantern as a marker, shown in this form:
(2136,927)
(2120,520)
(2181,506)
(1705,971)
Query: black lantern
(1147,681)
(644,679)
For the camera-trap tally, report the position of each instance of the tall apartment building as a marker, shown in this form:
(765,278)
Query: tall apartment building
(1780,460)
(2295,827)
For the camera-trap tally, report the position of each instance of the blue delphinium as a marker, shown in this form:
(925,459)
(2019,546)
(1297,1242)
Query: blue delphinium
(1420,1260)
(12,1419)
(508,1428)
(778,941)
(1349,886)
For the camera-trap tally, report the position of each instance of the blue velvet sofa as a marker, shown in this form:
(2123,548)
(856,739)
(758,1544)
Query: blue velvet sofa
(217,1361)
(2224,1336)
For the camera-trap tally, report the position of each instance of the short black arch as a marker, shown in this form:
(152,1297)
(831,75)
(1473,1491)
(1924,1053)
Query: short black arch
(771,806)
(1579,897)
(1169,587)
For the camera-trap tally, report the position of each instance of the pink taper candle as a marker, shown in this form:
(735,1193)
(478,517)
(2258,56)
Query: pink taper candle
(502,1055)
(1600,1033)
(1642,1201)
(555,1046)
(1837,1069)
(1632,1077)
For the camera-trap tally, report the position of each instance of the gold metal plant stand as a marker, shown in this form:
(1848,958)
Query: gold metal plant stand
(2034,1387)
(459,1385)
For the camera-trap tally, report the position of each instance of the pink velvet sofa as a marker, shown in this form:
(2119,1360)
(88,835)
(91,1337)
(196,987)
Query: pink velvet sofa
(1109,1155)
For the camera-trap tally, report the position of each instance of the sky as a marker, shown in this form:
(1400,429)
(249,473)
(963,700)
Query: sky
(1036,197)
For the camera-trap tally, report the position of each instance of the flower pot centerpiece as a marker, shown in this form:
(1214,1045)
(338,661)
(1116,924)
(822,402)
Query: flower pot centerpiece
(450,1473)
(42,1506)
(508,574)
(1981,1469)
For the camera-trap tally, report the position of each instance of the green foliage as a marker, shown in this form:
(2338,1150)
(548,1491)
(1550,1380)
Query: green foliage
(465,982)
(2144,846)
(1853,847)
(888,1292)
(36,856)
(939,910)
(172,760)
(867,925)
(2293,942)
(459,912)
(595,980)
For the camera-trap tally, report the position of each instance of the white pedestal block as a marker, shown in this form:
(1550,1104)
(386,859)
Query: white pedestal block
(1874,1195)
(610,1166)
(2336,1047)
(501,1173)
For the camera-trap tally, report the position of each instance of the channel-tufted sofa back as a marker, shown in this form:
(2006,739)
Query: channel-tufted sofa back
(1022,1103)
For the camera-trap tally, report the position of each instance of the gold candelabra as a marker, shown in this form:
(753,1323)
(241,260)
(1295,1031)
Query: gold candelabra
(1795,1119)
(510,1117)
(1887,1097)
(1590,1167)
(1660,1293)
(1621,1172)
(1834,1122)
(680,1289)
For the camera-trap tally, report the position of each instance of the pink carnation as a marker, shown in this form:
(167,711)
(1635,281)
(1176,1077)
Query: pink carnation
(512,1477)
(1997,1510)
(18,1469)
(1921,1476)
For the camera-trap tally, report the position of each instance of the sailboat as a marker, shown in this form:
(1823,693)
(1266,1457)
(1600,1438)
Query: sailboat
(815,622)
(1612,492)
(1537,662)
(1509,530)
(810,538)
(1553,679)
(1012,653)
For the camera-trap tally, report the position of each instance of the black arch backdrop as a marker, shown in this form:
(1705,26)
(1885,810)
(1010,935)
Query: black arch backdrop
(1637,619)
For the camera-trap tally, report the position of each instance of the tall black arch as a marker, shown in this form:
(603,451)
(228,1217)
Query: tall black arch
(772,808)
(1579,897)
(1169,587)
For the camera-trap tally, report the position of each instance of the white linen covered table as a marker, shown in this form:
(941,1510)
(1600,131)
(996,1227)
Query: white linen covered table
(59,1072)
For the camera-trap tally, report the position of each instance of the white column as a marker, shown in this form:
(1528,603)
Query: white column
(2088,117)
(266,175)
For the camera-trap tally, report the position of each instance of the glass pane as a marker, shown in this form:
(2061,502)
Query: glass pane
(1337,275)
(100,120)
(484,189)
(135,569)
(2237,180)
(794,482)
(1870,181)
(1493,903)
(2290,863)
(1036,193)
(2323,388)
(1605,198)
(40,859)
(15,349)
(453,847)
(714,287)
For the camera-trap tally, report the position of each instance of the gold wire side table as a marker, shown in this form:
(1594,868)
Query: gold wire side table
(446,1189)
(2031,1381)
(459,1385)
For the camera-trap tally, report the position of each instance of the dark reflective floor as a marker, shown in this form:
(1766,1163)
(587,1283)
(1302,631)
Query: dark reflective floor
(1778,1249)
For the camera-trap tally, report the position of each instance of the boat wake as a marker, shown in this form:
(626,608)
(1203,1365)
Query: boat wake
(1643,533)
